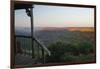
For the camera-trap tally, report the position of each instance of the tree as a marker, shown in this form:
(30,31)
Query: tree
(85,47)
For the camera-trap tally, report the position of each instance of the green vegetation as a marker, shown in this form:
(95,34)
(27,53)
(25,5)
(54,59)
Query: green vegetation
(71,52)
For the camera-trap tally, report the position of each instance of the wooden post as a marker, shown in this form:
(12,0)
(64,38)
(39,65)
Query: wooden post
(43,55)
(31,12)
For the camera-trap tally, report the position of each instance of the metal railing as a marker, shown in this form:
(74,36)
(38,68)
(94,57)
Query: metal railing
(40,50)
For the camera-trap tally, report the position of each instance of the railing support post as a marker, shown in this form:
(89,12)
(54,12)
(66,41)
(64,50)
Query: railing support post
(43,55)
(31,13)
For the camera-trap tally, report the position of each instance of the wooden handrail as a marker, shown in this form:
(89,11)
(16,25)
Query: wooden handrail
(43,46)
(40,43)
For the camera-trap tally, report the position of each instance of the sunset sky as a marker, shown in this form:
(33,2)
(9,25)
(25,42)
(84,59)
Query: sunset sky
(56,16)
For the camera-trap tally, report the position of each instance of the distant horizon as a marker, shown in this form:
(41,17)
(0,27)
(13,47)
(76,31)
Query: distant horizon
(72,29)
(48,26)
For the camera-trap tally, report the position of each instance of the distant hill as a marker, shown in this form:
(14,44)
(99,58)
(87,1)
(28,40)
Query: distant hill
(27,31)
(23,31)
(49,35)
(80,29)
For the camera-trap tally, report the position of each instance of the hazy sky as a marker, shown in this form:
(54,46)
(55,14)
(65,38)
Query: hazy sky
(55,16)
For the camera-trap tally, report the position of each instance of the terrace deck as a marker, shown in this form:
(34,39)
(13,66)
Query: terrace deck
(24,60)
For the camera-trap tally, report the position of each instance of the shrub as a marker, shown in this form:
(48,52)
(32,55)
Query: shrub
(61,51)
(81,58)
(58,49)
(85,47)
(86,58)
(68,58)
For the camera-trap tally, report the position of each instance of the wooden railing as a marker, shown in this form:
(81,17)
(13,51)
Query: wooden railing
(40,50)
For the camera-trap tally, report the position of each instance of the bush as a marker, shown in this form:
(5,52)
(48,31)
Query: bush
(85,47)
(57,50)
(86,58)
(68,58)
(61,51)
(80,58)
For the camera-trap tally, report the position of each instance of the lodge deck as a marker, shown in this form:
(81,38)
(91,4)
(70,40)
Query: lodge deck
(21,59)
